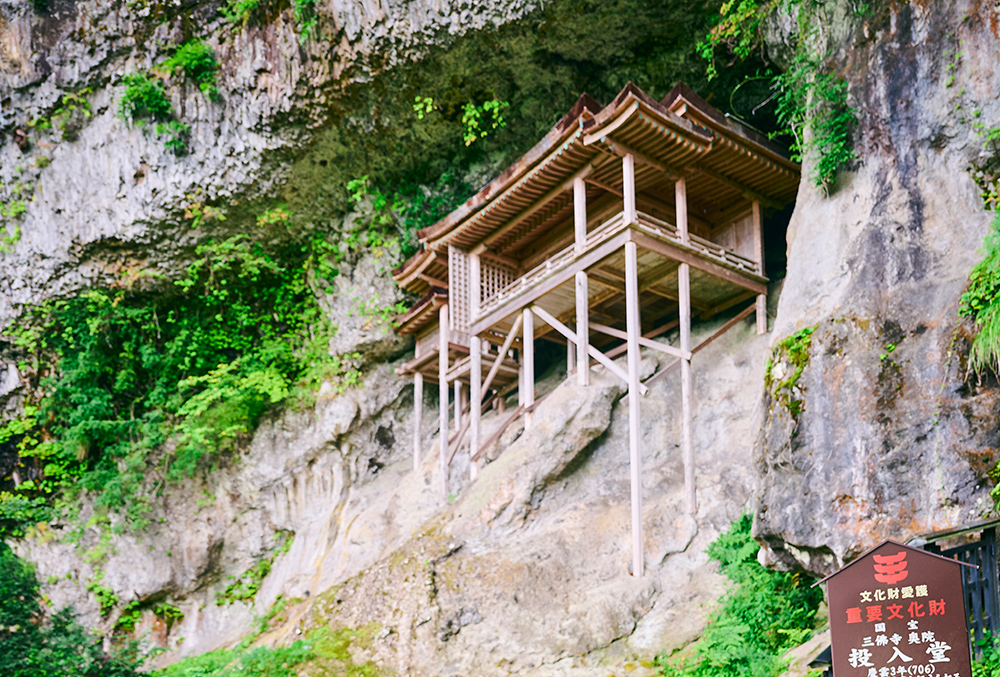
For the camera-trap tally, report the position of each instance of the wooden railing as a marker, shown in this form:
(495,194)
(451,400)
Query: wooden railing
(649,224)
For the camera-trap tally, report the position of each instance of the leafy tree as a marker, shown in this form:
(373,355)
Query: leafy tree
(33,646)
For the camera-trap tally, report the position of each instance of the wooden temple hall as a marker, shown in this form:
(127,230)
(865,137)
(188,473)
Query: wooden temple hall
(625,222)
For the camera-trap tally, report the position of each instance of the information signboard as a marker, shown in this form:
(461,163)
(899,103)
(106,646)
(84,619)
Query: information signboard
(898,611)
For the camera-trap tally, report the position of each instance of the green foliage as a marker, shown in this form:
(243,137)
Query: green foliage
(118,372)
(305,15)
(476,127)
(106,597)
(239,11)
(244,588)
(169,614)
(195,60)
(423,106)
(988,665)
(143,99)
(13,209)
(72,114)
(34,646)
(178,136)
(811,105)
(792,352)
(737,30)
(764,613)
(981,302)
(130,616)
(243,662)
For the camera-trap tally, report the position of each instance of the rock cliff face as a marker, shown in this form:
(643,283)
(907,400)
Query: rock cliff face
(895,436)
(525,571)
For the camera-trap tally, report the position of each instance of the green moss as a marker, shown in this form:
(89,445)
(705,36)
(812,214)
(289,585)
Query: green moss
(332,650)
(792,353)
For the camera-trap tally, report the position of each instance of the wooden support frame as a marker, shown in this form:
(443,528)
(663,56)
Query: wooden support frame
(743,314)
(758,241)
(684,292)
(646,343)
(475,362)
(633,320)
(527,384)
(582,338)
(548,318)
(418,414)
(443,393)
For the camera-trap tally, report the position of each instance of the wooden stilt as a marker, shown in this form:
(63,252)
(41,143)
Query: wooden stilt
(580,215)
(684,300)
(582,330)
(459,403)
(628,188)
(758,241)
(475,365)
(528,363)
(632,319)
(443,392)
(570,357)
(418,413)
(582,311)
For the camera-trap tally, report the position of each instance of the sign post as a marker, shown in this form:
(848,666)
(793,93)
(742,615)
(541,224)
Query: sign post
(899,611)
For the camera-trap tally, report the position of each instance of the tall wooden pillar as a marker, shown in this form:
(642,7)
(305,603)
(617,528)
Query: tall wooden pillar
(528,362)
(633,321)
(684,299)
(758,242)
(443,391)
(582,298)
(475,364)
(418,414)
(628,188)
(459,403)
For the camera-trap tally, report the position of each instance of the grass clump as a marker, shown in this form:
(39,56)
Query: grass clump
(764,613)
(981,302)
(242,662)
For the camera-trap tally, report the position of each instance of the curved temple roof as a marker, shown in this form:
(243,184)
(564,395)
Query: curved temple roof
(724,162)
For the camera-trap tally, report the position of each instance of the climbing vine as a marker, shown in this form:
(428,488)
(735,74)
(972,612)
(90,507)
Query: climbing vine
(812,103)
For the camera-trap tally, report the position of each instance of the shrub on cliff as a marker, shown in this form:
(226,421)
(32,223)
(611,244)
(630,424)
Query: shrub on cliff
(32,645)
(764,613)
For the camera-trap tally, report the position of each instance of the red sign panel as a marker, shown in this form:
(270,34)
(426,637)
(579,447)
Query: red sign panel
(899,611)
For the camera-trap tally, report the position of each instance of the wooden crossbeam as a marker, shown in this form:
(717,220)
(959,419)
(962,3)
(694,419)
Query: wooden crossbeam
(745,313)
(746,190)
(621,150)
(619,334)
(615,352)
(594,352)
(538,205)
(511,335)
